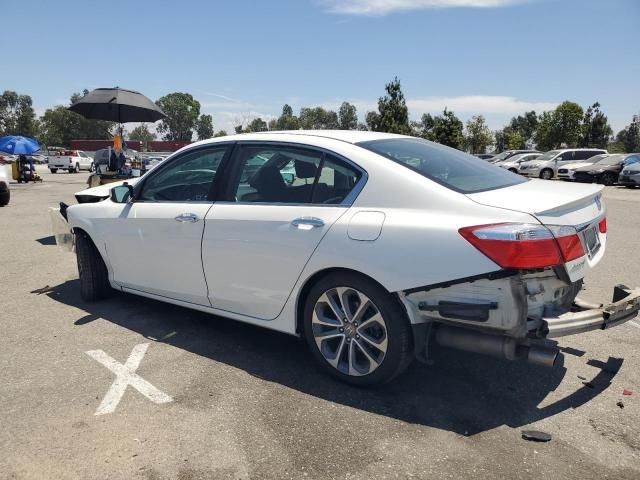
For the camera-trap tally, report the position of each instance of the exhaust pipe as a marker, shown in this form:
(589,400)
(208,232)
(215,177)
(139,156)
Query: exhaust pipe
(495,346)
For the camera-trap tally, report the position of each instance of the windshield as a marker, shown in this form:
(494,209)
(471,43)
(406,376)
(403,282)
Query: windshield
(549,155)
(610,160)
(501,156)
(452,168)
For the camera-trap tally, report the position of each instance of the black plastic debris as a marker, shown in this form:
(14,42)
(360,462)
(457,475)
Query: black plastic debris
(620,404)
(536,436)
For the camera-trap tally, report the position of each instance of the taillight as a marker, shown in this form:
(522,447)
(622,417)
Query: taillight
(602,226)
(525,245)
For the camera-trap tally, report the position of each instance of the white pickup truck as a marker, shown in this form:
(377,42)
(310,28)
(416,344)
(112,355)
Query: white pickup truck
(71,160)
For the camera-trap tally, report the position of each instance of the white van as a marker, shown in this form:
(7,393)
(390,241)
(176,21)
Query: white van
(546,166)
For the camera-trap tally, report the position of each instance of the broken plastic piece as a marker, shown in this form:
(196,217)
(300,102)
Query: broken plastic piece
(620,404)
(536,436)
(627,392)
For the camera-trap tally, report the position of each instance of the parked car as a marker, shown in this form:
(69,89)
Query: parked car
(566,172)
(630,175)
(484,156)
(381,244)
(5,192)
(546,166)
(507,154)
(607,170)
(71,160)
(514,162)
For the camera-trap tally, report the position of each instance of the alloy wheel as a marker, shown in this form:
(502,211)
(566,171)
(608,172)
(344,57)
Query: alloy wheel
(349,331)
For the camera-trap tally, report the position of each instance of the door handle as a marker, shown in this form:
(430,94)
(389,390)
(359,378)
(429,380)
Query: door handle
(307,223)
(187,217)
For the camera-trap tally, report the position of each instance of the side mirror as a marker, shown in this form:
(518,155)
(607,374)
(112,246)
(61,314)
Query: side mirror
(122,193)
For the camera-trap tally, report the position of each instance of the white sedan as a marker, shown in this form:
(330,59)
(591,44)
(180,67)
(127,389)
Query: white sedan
(369,245)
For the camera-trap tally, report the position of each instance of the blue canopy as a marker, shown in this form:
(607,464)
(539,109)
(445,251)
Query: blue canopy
(17,145)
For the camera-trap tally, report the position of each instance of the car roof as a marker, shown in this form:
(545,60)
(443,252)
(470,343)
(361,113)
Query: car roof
(349,136)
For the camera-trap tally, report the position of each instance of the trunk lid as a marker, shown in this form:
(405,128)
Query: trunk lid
(556,203)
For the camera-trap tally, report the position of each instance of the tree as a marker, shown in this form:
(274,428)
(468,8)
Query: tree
(562,127)
(286,121)
(256,125)
(596,130)
(143,134)
(424,127)
(392,115)
(182,112)
(524,126)
(448,130)
(478,135)
(347,117)
(629,137)
(204,127)
(17,116)
(220,133)
(371,119)
(318,119)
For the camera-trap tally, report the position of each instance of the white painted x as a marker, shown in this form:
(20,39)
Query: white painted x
(126,375)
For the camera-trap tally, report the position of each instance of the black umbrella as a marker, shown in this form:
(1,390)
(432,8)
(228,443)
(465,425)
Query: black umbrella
(117,105)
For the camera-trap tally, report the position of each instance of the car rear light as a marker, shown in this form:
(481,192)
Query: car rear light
(602,226)
(525,245)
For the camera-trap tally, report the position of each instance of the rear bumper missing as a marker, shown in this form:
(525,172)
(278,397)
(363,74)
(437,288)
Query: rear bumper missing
(586,317)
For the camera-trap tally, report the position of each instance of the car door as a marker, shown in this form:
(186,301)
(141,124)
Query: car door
(154,244)
(281,201)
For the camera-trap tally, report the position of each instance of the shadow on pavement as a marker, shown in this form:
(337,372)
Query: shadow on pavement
(462,393)
(50,240)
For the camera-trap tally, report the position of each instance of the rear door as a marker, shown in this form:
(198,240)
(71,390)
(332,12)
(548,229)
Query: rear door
(154,244)
(280,203)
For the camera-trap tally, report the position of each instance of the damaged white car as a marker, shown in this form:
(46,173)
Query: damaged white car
(368,245)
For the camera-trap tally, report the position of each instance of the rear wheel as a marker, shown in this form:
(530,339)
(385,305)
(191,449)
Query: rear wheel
(53,170)
(546,174)
(94,279)
(356,330)
(4,198)
(513,170)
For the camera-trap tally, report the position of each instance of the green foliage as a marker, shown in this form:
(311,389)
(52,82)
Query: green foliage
(220,133)
(478,136)
(629,137)
(256,125)
(616,147)
(17,116)
(524,126)
(143,134)
(446,129)
(286,121)
(318,119)
(182,112)
(596,131)
(204,127)
(562,127)
(393,114)
(347,117)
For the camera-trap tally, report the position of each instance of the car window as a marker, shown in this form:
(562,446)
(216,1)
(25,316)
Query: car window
(279,174)
(452,168)
(187,178)
(566,157)
(631,160)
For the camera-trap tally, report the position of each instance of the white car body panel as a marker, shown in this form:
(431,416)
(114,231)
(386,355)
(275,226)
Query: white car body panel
(256,263)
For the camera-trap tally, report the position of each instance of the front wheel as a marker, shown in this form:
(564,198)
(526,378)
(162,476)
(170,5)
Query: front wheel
(356,330)
(546,174)
(94,279)
(608,179)
(53,170)
(4,198)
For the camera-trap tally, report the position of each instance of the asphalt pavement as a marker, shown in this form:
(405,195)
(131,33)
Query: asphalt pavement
(134,388)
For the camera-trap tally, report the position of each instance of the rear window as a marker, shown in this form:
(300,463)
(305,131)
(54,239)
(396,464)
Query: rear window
(447,166)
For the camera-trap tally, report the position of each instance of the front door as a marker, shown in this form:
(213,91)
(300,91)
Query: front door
(282,202)
(154,245)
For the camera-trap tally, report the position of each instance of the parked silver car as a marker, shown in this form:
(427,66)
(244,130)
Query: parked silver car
(630,175)
(514,162)
(547,165)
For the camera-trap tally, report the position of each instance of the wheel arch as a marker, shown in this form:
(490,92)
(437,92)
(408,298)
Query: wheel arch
(308,284)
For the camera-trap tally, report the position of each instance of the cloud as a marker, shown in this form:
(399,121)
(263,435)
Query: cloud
(477,104)
(384,7)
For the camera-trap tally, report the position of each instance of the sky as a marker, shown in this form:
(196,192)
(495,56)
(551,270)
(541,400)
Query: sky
(241,59)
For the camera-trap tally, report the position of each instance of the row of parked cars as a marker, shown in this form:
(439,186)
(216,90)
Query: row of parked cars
(586,165)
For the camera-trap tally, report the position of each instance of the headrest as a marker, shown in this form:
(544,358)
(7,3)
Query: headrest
(305,169)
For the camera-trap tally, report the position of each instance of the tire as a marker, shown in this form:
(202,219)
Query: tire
(387,338)
(91,167)
(53,170)
(94,279)
(4,198)
(513,170)
(608,178)
(630,186)
(546,174)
